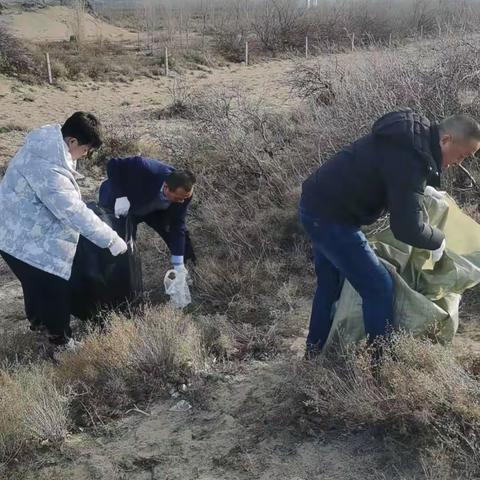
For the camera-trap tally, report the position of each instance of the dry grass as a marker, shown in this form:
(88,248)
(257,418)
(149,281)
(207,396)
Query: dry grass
(33,410)
(15,58)
(129,361)
(421,394)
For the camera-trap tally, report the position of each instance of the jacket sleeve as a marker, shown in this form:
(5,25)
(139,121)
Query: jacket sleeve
(405,178)
(54,188)
(116,172)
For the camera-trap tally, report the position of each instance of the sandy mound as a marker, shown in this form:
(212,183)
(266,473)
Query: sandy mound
(54,24)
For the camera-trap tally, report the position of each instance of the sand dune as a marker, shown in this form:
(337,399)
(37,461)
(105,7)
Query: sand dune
(55,24)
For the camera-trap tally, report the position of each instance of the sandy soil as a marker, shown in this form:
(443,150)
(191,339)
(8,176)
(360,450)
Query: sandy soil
(238,432)
(55,24)
(133,103)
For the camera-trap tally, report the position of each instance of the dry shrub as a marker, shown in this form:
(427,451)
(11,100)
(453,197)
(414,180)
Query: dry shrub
(129,361)
(420,394)
(121,140)
(124,363)
(225,340)
(259,343)
(252,158)
(345,101)
(20,347)
(97,60)
(280,25)
(33,410)
(180,101)
(217,336)
(15,58)
(250,163)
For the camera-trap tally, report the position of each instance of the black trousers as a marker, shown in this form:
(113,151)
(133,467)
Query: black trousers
(158,221)
(46,298)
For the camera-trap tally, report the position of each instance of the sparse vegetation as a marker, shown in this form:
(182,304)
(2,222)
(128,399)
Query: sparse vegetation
(15,59)
(124,364)
(420,394)
(33,409)
(253,281)
(129,361)
(11,127)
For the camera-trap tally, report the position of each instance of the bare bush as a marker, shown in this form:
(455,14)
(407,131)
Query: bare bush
(33,410)
(277,25)
(130,361)
(15,58)
(420,394)
(259,343)
(251,162)
(437,83)
(77,23)
(181,100)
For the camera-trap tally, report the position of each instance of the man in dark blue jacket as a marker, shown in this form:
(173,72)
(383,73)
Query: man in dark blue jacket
(154,193)
(384,171)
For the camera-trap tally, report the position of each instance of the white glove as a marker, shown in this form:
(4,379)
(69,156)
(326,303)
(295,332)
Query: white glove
(122,206)
(434,193)
(180,269)
(438,253)
(118,247)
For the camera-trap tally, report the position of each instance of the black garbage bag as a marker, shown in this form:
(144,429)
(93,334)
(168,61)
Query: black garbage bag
(100,281)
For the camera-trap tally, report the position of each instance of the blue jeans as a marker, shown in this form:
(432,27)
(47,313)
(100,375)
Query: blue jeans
(342,251)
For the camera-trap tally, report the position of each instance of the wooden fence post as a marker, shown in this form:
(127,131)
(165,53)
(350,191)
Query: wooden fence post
(49,68)
(246,54)
(166,62)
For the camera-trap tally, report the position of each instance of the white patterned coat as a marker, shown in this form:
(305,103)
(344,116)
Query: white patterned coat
(41,210)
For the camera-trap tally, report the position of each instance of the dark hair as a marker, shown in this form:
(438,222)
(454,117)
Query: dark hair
(85,127)
(181,179)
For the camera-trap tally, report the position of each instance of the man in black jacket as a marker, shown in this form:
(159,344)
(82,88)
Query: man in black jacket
(386,170)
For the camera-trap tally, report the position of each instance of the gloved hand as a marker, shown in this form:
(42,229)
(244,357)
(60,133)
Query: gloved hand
(438,253)
(180,269)
(122,206)
(117,247)
(432,192)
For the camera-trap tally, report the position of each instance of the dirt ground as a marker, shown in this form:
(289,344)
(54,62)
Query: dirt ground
(239,431)
(118,104)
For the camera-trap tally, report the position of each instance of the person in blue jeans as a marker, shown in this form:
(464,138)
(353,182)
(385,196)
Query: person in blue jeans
(384,171)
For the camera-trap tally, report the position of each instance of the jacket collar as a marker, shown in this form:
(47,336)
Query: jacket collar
(71,163)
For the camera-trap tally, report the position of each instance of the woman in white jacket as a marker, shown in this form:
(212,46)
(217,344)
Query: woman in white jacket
(42,216)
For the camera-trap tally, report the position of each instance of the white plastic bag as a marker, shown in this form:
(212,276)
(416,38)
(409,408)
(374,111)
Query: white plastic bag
(176,286)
